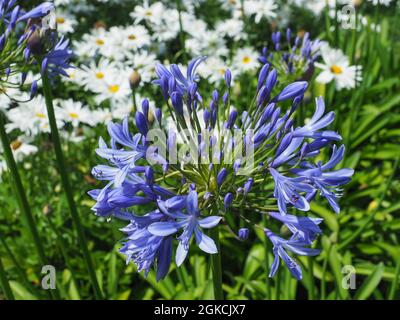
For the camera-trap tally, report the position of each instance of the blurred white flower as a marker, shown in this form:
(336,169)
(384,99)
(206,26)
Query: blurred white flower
(245,59)
(336,67)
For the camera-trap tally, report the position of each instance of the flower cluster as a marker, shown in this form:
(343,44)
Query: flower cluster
(292,57)
(209,180)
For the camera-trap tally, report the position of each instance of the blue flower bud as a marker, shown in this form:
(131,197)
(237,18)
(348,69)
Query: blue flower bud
(34,89)
(171,84)
(288,35)
(149,174)
(262,95)
(225,98)
(292,90)
(215,95)
(176,99)
(243,233)
(231,119)
(228,78)
(248,185)
(228,200)
(141,123)
(262,76)
(145,107)
(221,176)
(271,80)
(158,114)
(206,117)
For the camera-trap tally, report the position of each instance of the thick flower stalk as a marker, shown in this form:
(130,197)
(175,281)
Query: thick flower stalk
(292,56)
(232,169)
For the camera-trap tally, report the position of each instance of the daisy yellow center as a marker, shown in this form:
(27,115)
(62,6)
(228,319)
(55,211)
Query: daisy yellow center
(99,75)
(40,115)
(60,20)
(336,69)
(73,115)
(149,13)
(246,60)
(100,42)
(15,145)
(113,88)
(222,71)
(132,37)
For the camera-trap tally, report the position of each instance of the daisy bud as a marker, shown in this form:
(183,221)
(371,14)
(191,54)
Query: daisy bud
(243,233)
(134,79)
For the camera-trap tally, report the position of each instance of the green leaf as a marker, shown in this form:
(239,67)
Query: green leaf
(371,283)
(20,292)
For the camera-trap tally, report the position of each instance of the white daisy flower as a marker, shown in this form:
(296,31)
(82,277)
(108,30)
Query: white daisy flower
(245,59)
(74,112)
(65,22)
(260,9)
(149,13)
(336,67)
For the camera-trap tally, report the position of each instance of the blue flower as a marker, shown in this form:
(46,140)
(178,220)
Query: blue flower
(289,191)
(293,245)
(145,248)
(303,228)
(56,61)
(37,12)
(190,222)
(327,181)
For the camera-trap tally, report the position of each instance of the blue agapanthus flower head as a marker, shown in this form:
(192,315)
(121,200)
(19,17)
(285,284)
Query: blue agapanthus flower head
(204,163)
(291,55)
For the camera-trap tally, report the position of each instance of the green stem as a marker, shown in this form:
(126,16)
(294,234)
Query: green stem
(20,192)
(67,187)
(5,286)
(216,266)
(267,251)
(395,282)
(310,278)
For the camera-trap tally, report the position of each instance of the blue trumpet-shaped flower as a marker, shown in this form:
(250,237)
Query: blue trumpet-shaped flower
(296,246)
(191,224)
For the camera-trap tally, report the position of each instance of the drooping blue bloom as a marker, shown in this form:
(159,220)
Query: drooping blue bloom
(290,190)
(191,224)
(57,60)
(296,246)
(303,228)
(146,249)
(328,181)
(38,12)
